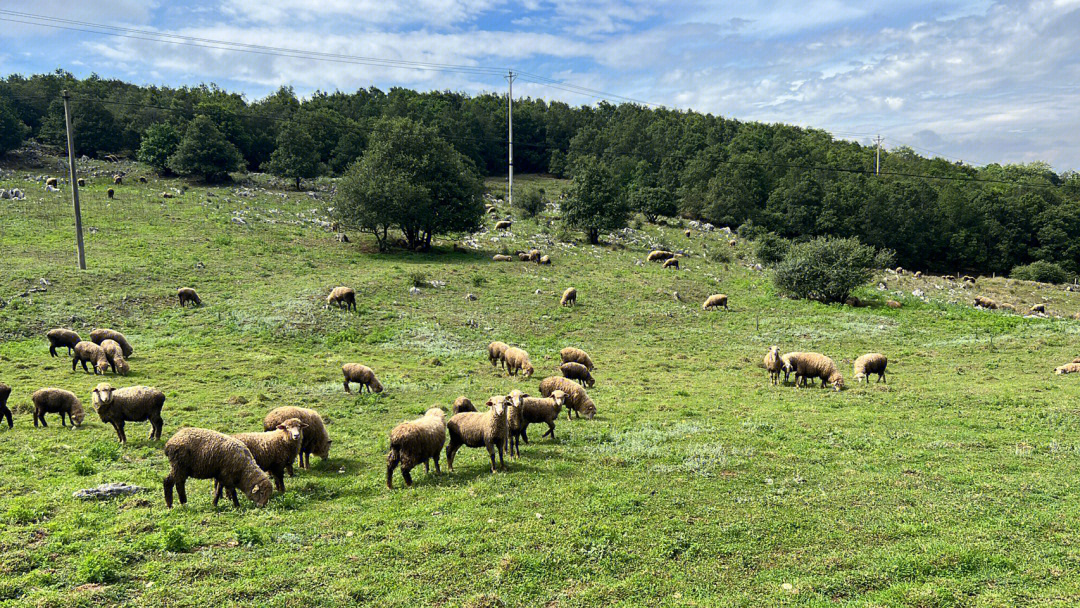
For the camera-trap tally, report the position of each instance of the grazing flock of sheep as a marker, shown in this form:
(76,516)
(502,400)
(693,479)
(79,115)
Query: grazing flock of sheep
(809,366)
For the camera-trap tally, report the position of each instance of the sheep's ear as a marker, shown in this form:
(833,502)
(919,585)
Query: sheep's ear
(303,424)
(489,403)
(255,490)
(281,427)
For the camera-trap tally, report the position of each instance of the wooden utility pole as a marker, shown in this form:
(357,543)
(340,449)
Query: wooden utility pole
(877,163)
(510,121)
(74,183)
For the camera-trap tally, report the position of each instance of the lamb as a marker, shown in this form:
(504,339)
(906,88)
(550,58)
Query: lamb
(62,337)
(577,400)
(774,364)
(115,356)
(517,360)
(503,225)
(473,429)
(1068,368)
(672,263)
(89,352)
(316,440)
(871,363)
(714,301)
(5,392)
(815,365)
(110,193)
(501,258)
(569,297)
(577,355)
(186,295)
(100,335)
(344,297)
(535,410)
(544,260)
(116,406)
(205,454)
(577,371)
(462,404)
(275,450)
(515,423)
(57,401)
(362,375)
(414,442)
(986,303)
(659,255)
(496,351)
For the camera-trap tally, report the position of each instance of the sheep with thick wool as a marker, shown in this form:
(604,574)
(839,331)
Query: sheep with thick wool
(808,365)
(535,410)
(187,295)
(362,375)
(57,401)
(499,257)
(416,442)
(5,392)
(496,350)
(986,303)
(342,297)
(488,430)
(61,337)
(576,355)
(774,364)
(503,225)
(659,255)
(116,406)
(515,423)
(569,297)
(205,454)
(577,400)
(88,352)
(871,363)
(462,404)
(517,360)
(114,354)
(715,301)
(1068,368)
(275,450)
(672,263)
(100,335)
(315,441)
(578,372)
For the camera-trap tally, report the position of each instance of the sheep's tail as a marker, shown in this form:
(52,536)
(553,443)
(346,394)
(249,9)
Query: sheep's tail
(392,460)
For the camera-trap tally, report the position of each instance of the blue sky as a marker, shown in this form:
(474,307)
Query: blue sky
(975,80)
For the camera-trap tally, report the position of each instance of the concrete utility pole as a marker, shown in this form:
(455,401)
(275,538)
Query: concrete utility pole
(877,163)
(74,183)
(510,76)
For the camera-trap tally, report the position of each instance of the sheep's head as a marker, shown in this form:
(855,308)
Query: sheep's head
(101,366)
(589,381)
(77,415)
(589,409)
(498,404)
(102,394)
(517,398)
(559,397)
(122,366)
(437,412)
(294,427)
(528,369)
(375,385)
(836,380)
(260,491)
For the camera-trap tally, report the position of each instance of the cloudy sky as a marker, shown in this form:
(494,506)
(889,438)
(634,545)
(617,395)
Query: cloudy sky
(975,80)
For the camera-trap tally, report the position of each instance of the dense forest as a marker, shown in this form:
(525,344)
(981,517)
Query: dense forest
(797,183)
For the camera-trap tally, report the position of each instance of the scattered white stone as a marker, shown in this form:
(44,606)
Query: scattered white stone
(414,290)
(918,293)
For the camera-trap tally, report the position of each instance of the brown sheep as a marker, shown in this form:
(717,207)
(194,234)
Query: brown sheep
(362,375)
(117,180)
(501,258)
(577,400)
(714,301)
(534,255)
(475,430)
(187,295)
(672,263)
(893,304)
(116,406)
(62,337)
(205,454)
(1068,368)
(524,257)
(687,233)
(344,297)
(1038,308)
(544,260)
(57,401)
(275,450)
(5,392)
(503,225)
(81,182)
(577,371)
(814,365)
(517,360)
(659,255)
(577,355)
(316,440)
(115,356)
(871,363)
(535,410)
(110,193)
(52,181)
(774,364)
(496,351)
(569,297)
(85,352)
(100,335)
(986,303)
(462,404)
(414,442)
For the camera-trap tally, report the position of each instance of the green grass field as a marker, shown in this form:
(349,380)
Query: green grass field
(697,484)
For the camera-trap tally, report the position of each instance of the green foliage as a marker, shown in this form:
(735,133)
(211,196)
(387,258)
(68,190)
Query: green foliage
(98,567)
(249,536)
(827,269)
(770,249)
(105,450)
(530,201)
(204,152)
(94,127)
(12,130)
(174,538)
(418,279)
(83,466)
(296,156)
(1041,271)
(27,509)
(594,201)
(159,142)
(653,202)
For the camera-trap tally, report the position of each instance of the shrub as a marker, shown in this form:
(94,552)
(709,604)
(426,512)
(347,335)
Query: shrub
(653,202)
(249,536)
(12,130)
(174,539)
(105,450)
(751,231)
(530,202)
(771,249)
(205,152)
(159,142)
(83,466)
(418,279)
(827,269)
(99,567)
(1041,271)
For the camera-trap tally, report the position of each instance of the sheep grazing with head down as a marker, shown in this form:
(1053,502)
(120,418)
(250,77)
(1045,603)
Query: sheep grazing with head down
(517,360)
(576,355)
(117,406)
(659,255)
(115,356)
(1068,368)
(61,337)
(1038,308)
(814,365)
(5,392)
(544,260)
(475,430)
(871,363)
(577,400)
(503,225)
(672,263)
(100,335)
(118,180)
(715,301)
(416,442)
(187,295)
(316,440)
(569,297)
(343,297)
(204,454)
(57,401)
(535,255)
(986,303)
(578,372)
(774,364)
(524,257)
(462,404)
(362,375)
(52,181)
(498,257)
(496,351)
(88,352)
(535,410)
(110,193)
(275,450)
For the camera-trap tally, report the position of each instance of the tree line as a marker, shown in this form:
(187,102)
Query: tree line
(791,182)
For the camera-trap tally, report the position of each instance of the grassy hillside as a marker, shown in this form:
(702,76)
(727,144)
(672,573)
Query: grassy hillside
(697,484)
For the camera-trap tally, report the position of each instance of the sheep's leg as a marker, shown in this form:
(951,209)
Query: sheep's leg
(6,413)
(39,415)
(218,487)
(406,474)
(502,448)
(438,471)
(451,449)
(62,418)
(427,469)
(881,378)
(74,362)
(52,350)
(491,455)
(119,428)
(279,480)
(289,468)
(156,423)
(167,485)
(550,431)
(347,387)
(232,494)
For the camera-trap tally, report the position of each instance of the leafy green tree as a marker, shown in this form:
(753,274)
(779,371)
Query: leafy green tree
(827,269)
(770,249)
(530,201)
(159,142)
(204,152)
(12,130)
(653,202)
(1041,271)
(93,127)
(296,156)
(594,201)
